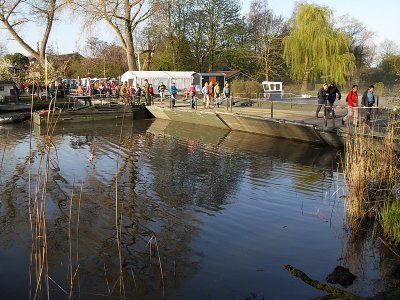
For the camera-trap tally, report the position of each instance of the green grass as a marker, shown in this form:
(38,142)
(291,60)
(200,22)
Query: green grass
(390,221)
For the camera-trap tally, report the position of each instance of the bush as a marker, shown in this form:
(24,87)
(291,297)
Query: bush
(246,88)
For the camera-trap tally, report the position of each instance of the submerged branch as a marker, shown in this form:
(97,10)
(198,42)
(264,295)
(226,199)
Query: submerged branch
(332,291)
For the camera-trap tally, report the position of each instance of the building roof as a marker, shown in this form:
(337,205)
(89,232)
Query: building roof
(233,73)
(179,74)
(159,74)
(211,74)
(63,57)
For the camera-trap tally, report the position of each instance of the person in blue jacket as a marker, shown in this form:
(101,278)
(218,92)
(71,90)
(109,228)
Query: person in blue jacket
(368,100)
(173,91)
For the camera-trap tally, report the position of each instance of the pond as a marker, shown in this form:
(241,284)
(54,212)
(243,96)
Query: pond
(202,213)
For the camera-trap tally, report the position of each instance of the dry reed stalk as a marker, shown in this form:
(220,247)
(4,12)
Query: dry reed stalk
(29,193)
(370,171)
(39,243)
(153,242)
(77,237)
(71,275)
(4,152)
(108,285)
(39,267)
(118,216)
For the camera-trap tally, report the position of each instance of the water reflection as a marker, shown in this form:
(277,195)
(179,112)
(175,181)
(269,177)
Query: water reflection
(228,210)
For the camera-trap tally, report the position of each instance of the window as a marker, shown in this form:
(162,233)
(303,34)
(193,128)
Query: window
(1,88)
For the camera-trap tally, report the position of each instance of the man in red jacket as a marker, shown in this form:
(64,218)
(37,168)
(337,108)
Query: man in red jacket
(352,103)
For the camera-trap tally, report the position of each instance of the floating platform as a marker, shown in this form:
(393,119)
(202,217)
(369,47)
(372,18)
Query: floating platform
(289,122)
(89,113)
(14,117)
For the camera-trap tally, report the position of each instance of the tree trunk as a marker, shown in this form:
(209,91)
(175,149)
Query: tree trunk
(130,49)
(148,58)
(304,86)
(266,68)
(212,49)
(171,36)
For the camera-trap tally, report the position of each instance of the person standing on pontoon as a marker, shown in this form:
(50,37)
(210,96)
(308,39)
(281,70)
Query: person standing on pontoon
(173,91)
(352,104)
(333,93)
(322,97)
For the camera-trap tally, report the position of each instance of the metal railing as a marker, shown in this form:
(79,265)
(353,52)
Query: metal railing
(302,109)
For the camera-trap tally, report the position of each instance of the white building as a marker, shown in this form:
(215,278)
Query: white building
(6,90)
(182,79)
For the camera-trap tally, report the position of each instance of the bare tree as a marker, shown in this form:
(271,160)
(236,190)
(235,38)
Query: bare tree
(16,15)
(3,49)
(267,31)
(217,16)
(362,45)
(122,16)
(388,48)
(95,46)
(167,32)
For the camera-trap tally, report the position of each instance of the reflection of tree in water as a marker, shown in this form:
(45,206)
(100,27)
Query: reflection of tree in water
(190,173)
(79,141)
(158,177)
(98,253)
(141,219)
(293,160)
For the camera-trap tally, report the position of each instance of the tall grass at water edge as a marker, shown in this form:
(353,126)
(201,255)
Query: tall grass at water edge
(373,179)
(40,278)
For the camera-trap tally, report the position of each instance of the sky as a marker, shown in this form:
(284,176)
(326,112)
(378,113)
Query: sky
(381,17)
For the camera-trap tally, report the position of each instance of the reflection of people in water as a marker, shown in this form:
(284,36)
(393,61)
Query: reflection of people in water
(92,148)
(190,146)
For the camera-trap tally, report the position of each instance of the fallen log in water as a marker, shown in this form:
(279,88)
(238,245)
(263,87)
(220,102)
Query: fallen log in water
(332,291)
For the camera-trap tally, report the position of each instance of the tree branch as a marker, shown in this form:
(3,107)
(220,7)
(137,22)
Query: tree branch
(333,291)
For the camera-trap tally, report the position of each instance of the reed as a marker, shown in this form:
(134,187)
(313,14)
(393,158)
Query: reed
(46,153)
(73,271)
(153,246)
(371,173)
(40,279)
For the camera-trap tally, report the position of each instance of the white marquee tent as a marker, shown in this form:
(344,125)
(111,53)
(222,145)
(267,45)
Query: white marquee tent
(182,79)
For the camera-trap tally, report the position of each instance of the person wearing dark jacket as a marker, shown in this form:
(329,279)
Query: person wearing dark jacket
(322,96)
(368,100)
(332,92)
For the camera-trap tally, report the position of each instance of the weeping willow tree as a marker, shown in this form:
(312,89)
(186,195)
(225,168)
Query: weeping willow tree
(315,50)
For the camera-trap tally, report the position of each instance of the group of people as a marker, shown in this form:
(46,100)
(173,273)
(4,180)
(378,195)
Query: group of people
(328,94)
(97,87)
(133,94)
(212,93)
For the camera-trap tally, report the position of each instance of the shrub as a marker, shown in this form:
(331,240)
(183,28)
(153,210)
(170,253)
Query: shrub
(246,88)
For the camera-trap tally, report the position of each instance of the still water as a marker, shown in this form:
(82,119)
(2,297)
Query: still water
(223,211)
